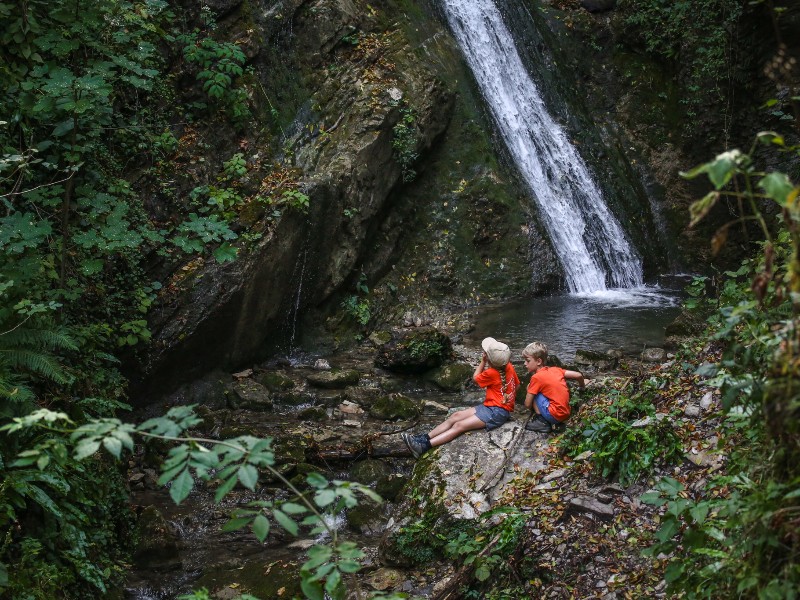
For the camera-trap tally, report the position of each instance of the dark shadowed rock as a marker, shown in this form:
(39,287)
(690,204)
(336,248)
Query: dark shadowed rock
(250,394)
(595,6)
(451,377)
(394,407)
(415,351)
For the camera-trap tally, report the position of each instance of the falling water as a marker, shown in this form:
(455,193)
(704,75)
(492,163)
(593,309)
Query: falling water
(589,241)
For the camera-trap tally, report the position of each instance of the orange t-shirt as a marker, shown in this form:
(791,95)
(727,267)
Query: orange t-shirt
(551,382)
(490,379)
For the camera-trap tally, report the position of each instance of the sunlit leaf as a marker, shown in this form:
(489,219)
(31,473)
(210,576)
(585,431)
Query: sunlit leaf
(777,186)
(180,488)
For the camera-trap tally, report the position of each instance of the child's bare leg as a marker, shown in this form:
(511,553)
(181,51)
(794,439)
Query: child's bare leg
(450,421)
(457,428)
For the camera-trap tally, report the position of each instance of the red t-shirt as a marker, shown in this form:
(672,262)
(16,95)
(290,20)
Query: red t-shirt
(551,382)
(490,379)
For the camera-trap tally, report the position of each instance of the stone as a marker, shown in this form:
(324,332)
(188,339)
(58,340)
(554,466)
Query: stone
(414,351)
(251,395)
(557,474)
(369,471)
(451,377)
(583,504)
(322,365)
(692,410)
(596,6)
(654,355)
(643,422)
(707,401)
(334,379)
(394,407)
(589,360)
(275,381)
(584,456)
(389,488)
(350,408)
(384,579)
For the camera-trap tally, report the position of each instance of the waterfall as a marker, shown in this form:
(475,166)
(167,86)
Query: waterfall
(587,238)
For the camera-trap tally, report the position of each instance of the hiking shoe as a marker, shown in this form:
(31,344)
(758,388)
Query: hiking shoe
(539,425)
(416,444)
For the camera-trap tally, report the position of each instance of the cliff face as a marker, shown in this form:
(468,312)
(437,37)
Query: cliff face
(368,111)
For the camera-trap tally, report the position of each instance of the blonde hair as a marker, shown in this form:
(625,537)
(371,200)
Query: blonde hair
(536,350)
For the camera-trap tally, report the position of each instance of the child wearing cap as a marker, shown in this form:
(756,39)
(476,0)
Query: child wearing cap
(497,375)
(548,393)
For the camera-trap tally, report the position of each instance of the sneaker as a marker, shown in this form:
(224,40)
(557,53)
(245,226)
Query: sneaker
(539,425)
(416,444)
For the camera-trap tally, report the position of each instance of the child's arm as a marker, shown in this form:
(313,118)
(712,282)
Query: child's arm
(528,400)
(574,375)
(481,366)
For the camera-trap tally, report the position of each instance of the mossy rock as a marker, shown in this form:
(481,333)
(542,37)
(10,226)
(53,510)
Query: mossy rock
(366,518)
(313,413)
(290,450)
(389,488)
(685,324)
(451,377)
(369,471)
(250,394)
(596,360)
(293,398)
(379,338)
(335,379)
(394,408)
(415,351)
(275,381)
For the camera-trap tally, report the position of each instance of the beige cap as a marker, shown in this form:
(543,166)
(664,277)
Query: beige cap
(498,353)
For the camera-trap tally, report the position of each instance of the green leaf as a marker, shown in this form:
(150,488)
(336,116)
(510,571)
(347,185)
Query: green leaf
(317,555)
(482,573)
(113,445)
(293,509)
(770,137)
(248,475)
(700,208)
(86,448)
(285,521)
(225,253)
(324,498)
(333,582)
(316,480)
(236,524)
(223,490)
(312,588)
(181,487)
(777,186)
(349,566)
(261,528)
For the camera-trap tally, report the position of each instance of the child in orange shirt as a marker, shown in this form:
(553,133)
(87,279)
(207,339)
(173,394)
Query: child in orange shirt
(548,393)
(497,375)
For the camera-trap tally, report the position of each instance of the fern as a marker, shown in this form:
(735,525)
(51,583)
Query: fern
(27,352)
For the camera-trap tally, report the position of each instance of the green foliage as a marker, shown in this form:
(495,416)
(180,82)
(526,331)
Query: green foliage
(737,536)
(697,37)
(488,549)
(35,477)
(219,64)
(627,439)
(405,138)
(357,309)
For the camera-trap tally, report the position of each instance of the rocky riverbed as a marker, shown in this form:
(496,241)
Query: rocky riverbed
(340,415)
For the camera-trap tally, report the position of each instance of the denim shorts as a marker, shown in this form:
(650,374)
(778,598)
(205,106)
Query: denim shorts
(544,408)
(493,416)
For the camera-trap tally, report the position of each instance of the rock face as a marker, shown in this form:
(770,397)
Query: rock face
(230,313)
(461,480)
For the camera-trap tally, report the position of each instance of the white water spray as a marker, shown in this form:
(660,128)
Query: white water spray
(589,241)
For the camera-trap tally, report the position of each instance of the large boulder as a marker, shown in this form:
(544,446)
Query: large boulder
(451,377)
(415,351)
(458,482)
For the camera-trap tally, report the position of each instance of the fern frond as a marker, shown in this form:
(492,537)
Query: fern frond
(19,359)
(14,390)
(55,339)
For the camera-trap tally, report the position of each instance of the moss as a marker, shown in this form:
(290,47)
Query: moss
(392,408)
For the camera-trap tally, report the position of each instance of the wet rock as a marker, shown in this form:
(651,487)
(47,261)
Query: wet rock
(334,379)
(366,518)
(350,408)
(209,391)
(251,395)
(313,413)
(158,542)
(275,381)
(322,365)
(293,398)
(594,361)
(393,408)
(369,471)
(389,488)
(654,355)
(415,351)
(451,377)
